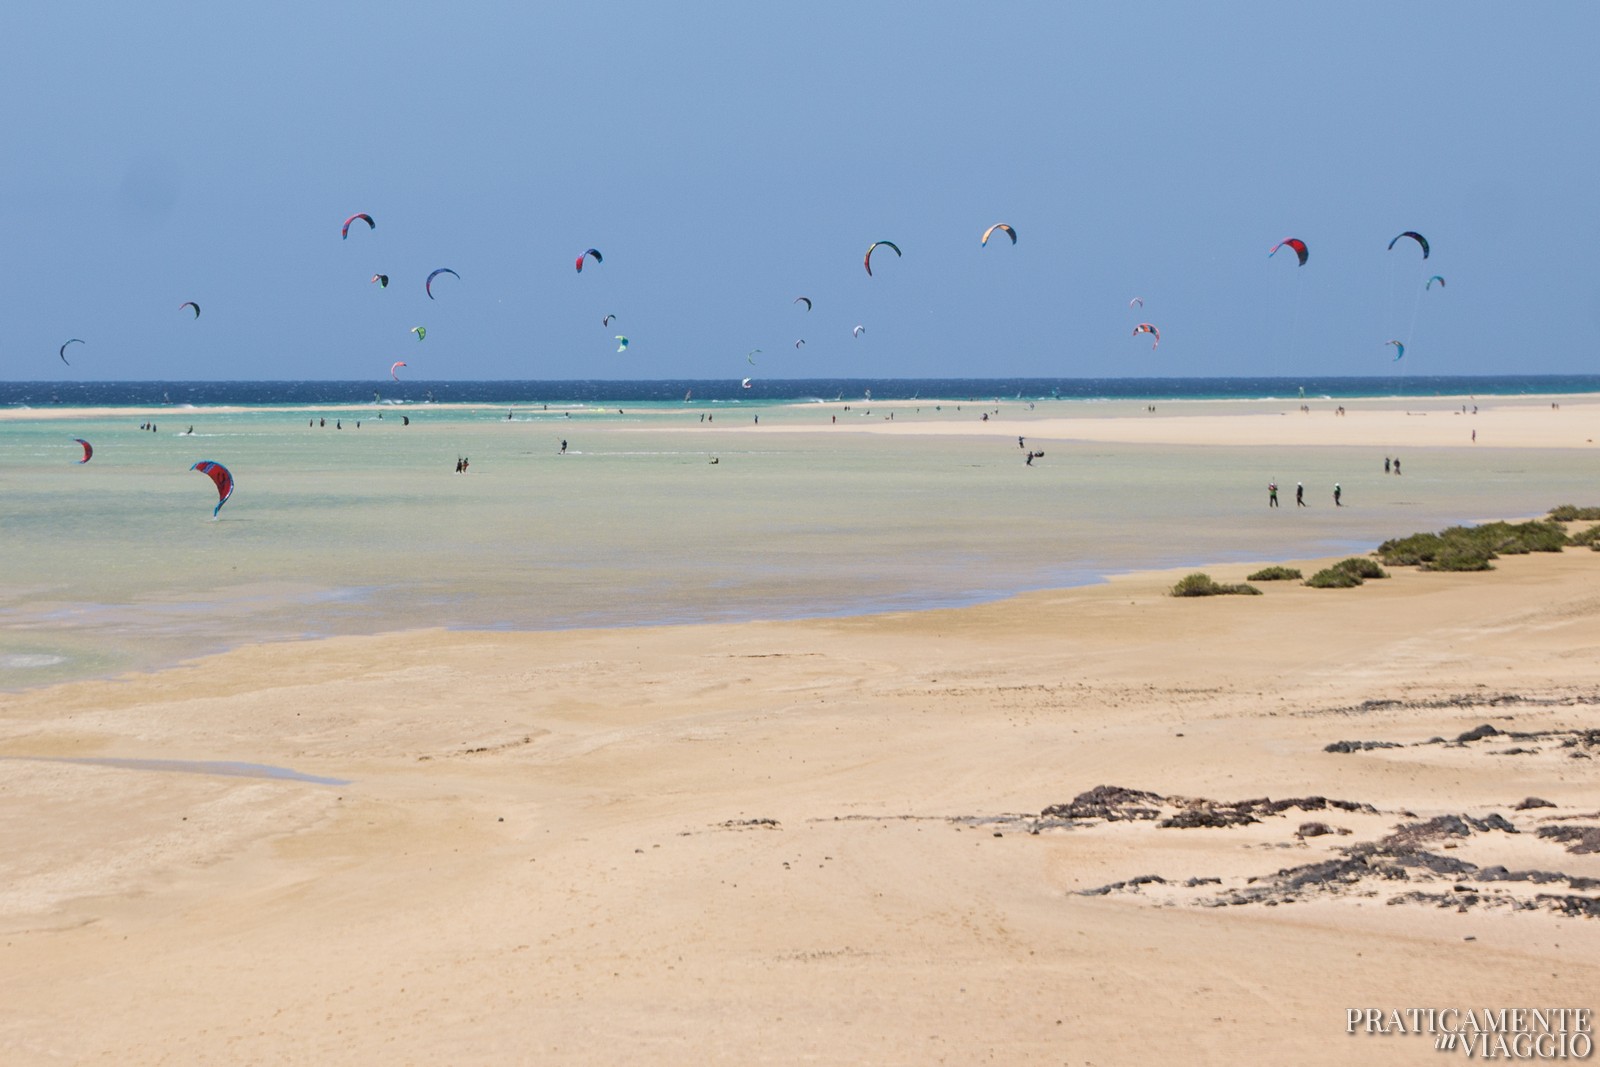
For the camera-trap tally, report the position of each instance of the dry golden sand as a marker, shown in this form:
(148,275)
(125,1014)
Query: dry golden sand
(554,848)
(1401,423)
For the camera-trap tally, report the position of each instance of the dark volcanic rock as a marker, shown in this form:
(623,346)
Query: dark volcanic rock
(1533,802)
(1432,861)
(1110,802)
(1132,885)
(1359,746)
(1200,818)
(1578,839)
(1415,833)
(1567,904)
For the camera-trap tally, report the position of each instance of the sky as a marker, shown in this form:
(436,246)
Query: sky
(727,158)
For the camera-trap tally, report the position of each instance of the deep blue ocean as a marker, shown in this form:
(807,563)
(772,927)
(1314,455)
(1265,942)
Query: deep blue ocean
(140,393)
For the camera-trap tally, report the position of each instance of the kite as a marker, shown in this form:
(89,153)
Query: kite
(345,233)
(420,331)
(752,356)
(218,474)
(800,342)
(1436,278)
(70,341)
(394,367)
(1415,236)
(382,280)
(88,449)
(607,320)
(595,252)
(428,285)
(744,383)
(622,343)
(858,331)
(1399,349)
(1295,243)
(1139,300)
(1149,328)
(806,300)
(997,226)
(867,259)
(190,304)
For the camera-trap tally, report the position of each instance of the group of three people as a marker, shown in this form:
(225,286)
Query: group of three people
(1300,494)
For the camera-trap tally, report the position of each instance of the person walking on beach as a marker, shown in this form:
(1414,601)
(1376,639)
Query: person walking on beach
(1272,494)
(1397,464)
(1336,492)
(1299,494)
(1386,464)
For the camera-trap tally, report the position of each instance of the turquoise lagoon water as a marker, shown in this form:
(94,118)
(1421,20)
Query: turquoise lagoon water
(118,565)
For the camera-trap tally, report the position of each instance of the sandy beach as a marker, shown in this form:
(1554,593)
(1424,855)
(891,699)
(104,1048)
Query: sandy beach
(1098,825)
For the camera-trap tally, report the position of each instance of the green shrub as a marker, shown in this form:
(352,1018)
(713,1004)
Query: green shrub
(1200,584)
(1278,574)
(1333,578)
(1590,537)
(1470,547)
(1520,538)
(1362,567)
(1410,551)
(1460,558)
(1571,513)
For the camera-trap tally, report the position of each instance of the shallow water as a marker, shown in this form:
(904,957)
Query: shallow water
(225,768)
(117,564)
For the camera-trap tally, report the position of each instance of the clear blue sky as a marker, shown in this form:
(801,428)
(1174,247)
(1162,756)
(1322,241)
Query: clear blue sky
(729,157)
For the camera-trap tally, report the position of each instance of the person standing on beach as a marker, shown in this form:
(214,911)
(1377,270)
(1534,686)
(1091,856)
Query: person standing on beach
(1272,494)
(1386,464)
(1336,492)
(1299,494)
(1397,464)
